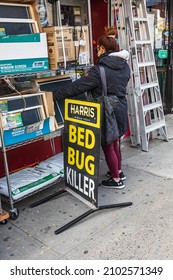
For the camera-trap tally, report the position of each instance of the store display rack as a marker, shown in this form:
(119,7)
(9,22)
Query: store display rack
(41,75)
(47,73)
(14,212)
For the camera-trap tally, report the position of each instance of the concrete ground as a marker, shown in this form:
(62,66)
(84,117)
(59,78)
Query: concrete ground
(143,230)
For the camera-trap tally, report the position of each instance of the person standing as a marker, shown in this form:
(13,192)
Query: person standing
(117,73)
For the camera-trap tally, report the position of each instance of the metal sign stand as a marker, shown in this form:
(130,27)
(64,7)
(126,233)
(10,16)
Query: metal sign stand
(81,217)
(81,141)
(89,212)
(75,140)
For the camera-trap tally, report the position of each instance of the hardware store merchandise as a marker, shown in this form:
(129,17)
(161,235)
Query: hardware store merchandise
(62,35)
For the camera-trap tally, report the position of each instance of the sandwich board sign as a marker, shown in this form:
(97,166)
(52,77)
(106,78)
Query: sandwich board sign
(81,140)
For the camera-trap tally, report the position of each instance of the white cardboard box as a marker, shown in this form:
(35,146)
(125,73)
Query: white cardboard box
(23,53)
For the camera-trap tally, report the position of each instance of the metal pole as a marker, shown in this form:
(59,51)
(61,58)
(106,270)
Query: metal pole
(54,11)
(6,164)
(169,71)
(62,32)
(90,32)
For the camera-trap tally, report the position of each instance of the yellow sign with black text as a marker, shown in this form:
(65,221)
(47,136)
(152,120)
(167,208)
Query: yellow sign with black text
(82,148)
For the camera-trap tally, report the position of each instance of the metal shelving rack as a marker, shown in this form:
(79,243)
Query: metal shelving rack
(39,75)
(14,212)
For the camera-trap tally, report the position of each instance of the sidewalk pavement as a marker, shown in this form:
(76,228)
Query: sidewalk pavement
(141,231)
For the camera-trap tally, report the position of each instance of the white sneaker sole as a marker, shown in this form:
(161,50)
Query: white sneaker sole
(114,187)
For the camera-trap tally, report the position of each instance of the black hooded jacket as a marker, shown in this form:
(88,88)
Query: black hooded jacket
(117,76)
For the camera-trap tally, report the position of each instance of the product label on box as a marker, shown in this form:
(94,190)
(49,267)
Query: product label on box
(20,38)
(11,120)
(24,133)
(23,65)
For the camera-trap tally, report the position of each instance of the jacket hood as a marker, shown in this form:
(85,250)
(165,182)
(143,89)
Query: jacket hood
(123,54)
(114,60)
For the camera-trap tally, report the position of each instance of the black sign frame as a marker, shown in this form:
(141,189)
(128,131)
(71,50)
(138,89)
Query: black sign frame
(81,138)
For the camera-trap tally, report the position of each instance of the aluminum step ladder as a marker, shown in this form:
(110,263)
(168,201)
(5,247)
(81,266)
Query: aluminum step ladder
(123,40)
(144,74)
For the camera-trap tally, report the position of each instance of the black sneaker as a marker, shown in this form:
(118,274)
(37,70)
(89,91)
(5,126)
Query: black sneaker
(112,184)
(122,176)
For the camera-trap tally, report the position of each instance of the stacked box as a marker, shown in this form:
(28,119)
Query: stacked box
(23,53)
(61,49)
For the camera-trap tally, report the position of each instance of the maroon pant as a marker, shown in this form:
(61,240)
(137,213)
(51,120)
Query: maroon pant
(113,157)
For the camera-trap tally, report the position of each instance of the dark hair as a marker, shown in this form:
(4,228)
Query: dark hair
(108,40)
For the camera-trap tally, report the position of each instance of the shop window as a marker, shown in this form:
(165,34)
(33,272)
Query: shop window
(71,15)
(18,19)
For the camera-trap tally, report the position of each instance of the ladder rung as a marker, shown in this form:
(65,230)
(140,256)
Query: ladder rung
(145,64)
(149,85)
(143,42)
(155,126)
(152,106)
(140,19)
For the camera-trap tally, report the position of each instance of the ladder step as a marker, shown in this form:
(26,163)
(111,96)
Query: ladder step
(155,126)
(149,85)
(140,19)
(143,42)
(152,106)
(145,64)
